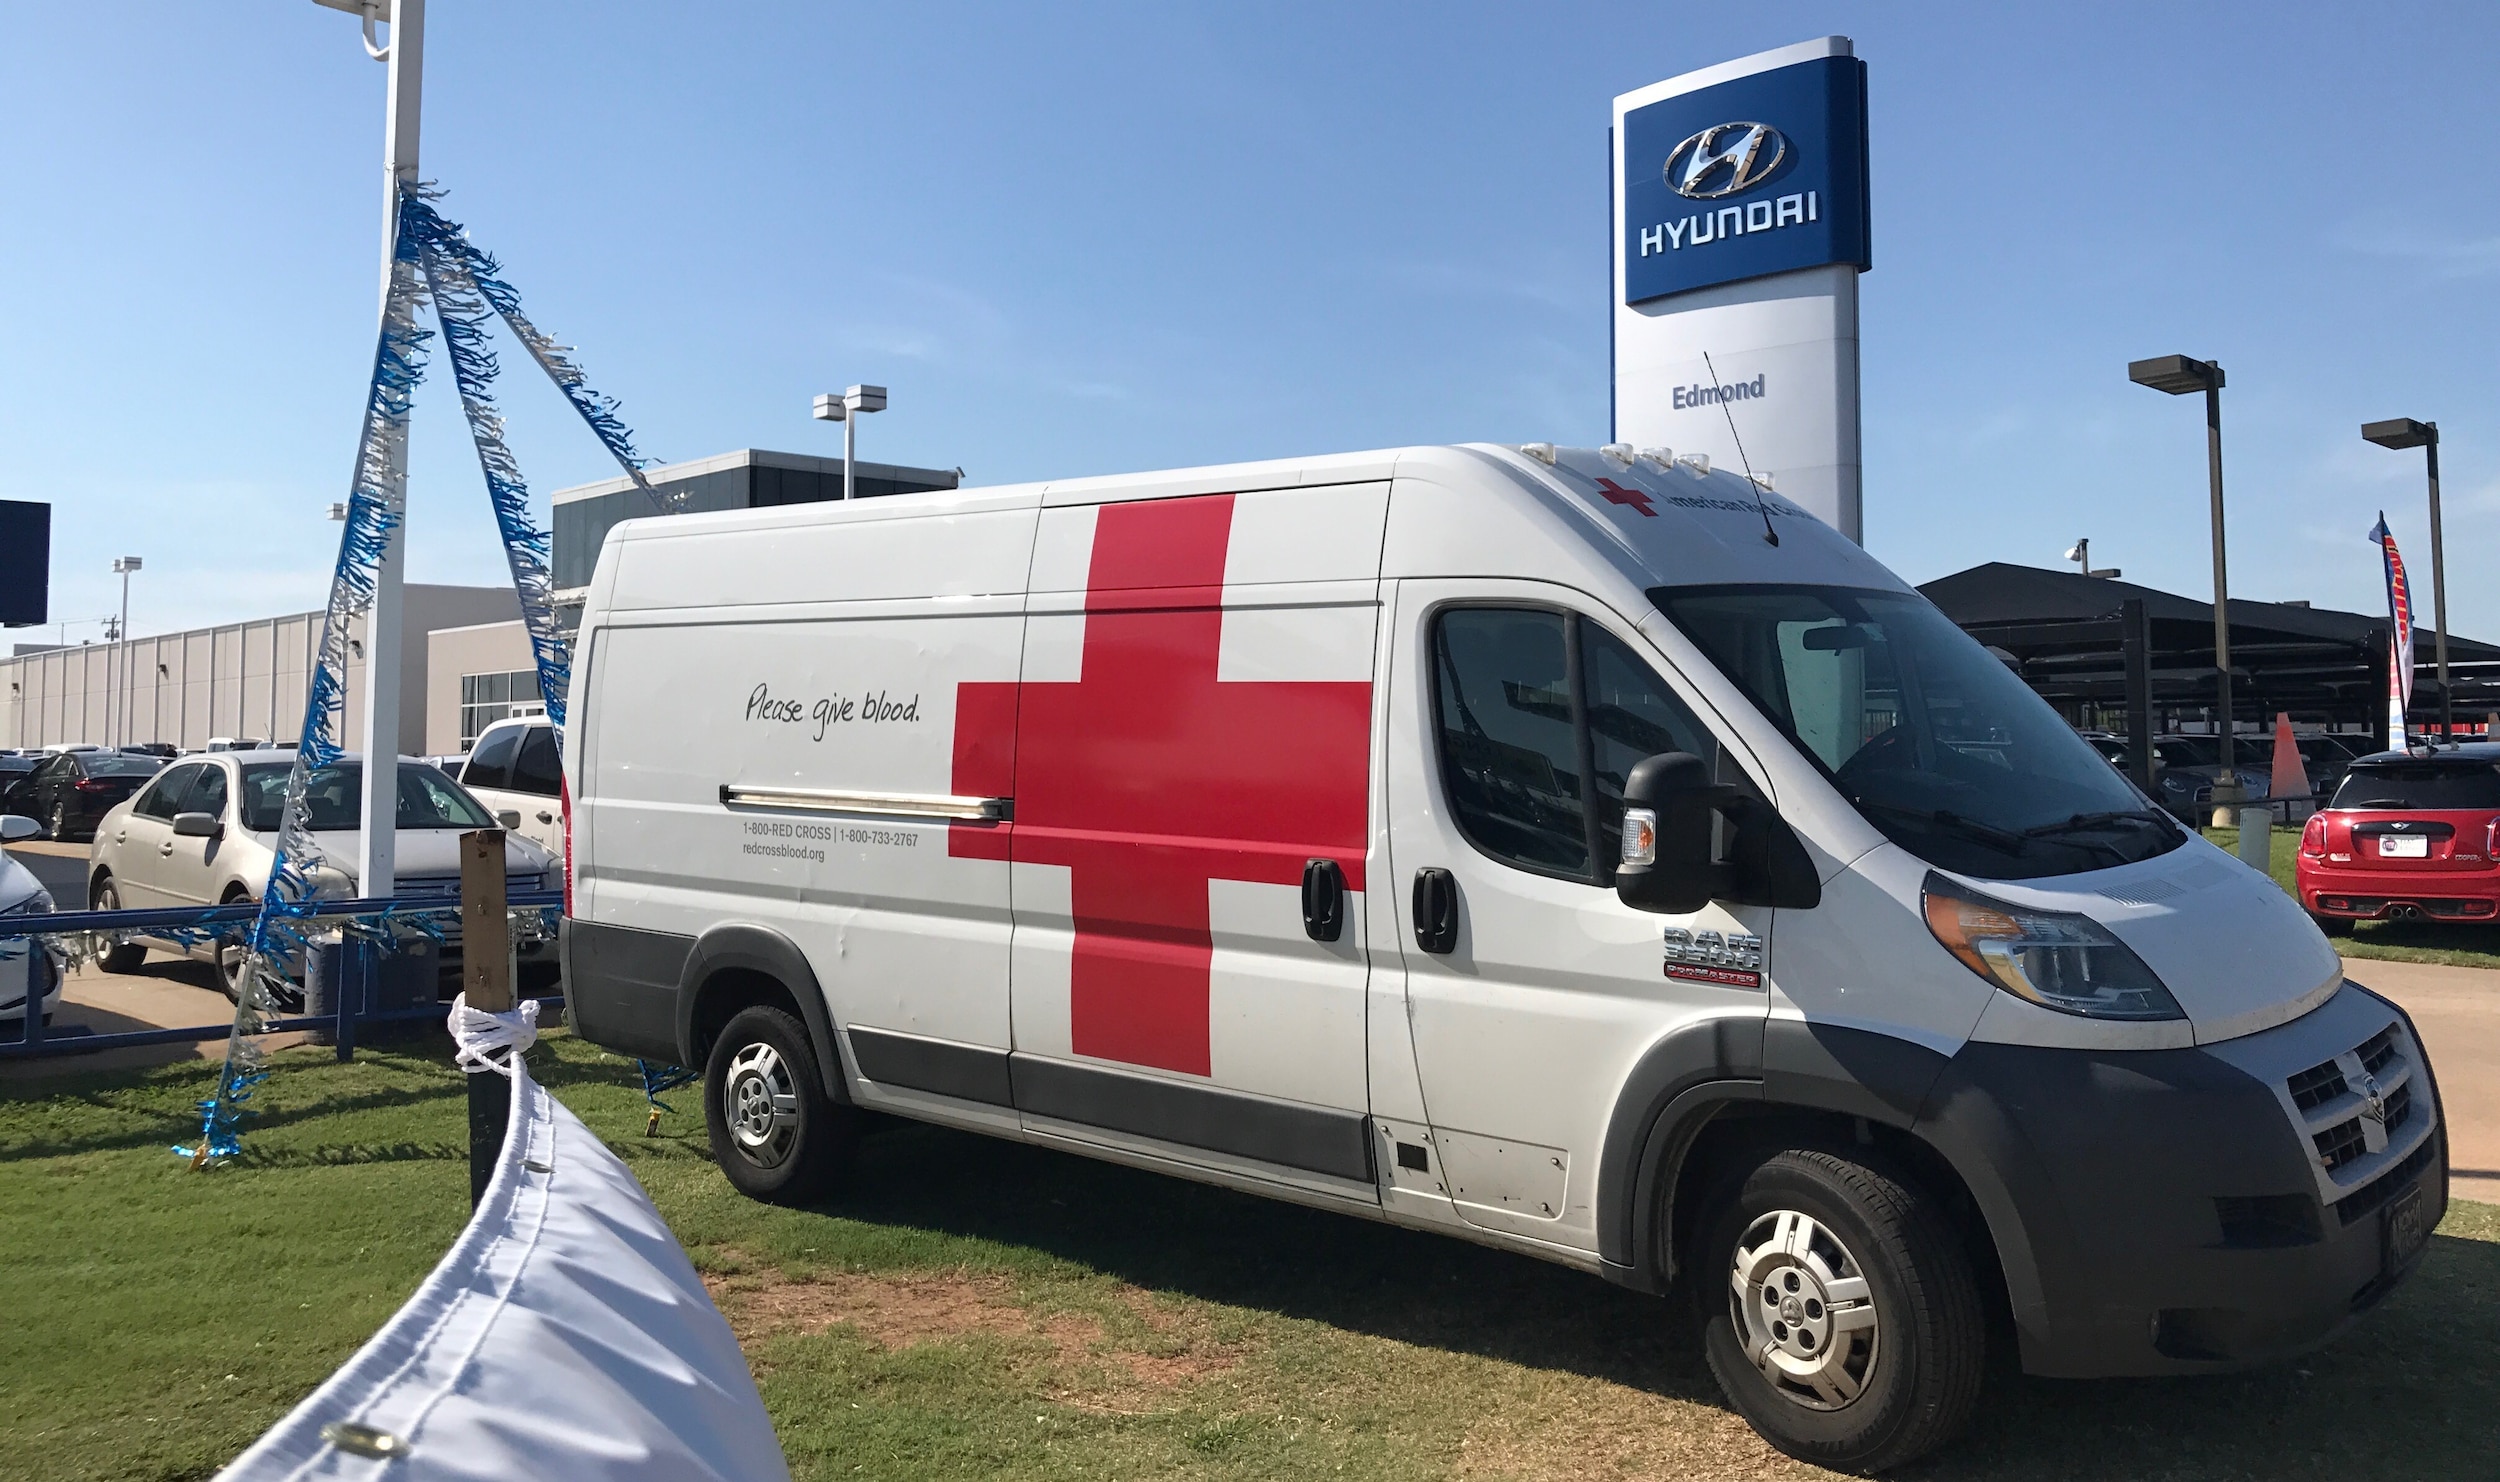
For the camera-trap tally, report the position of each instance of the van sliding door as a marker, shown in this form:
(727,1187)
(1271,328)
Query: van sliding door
(1192,820)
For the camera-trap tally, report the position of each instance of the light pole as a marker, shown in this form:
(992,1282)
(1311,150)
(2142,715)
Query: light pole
(376,865)
(2404,432)
(847,409)
(2178,375)
(122,567)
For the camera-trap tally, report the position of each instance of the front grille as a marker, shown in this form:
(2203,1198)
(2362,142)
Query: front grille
(2340,1144)
(2377,1050)
(2365,1201)
(2399,1107)
(2316,1086)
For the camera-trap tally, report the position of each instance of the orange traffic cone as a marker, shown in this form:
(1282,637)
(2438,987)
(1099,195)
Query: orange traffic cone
(2291,779)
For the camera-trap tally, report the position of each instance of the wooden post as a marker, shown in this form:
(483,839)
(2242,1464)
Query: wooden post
(486,982)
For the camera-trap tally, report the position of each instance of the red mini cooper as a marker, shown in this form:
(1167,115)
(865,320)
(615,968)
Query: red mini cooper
(2410,836)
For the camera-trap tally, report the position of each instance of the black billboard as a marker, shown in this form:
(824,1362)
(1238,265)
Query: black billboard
(25,563)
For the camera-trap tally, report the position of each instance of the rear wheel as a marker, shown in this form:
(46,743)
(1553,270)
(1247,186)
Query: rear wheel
(1846,1324)
(59,829)
(775,1132)
(127,957)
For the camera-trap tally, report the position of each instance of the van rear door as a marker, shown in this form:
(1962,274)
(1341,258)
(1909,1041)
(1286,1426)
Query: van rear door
(1193,740)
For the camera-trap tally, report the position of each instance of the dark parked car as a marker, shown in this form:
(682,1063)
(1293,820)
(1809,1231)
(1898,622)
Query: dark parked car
(15,769)
(70,792)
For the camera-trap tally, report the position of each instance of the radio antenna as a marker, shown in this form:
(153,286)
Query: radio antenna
(1769,534)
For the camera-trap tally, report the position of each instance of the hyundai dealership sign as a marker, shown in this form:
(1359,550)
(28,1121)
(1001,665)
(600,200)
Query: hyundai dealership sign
(1762,174)
(1740,229)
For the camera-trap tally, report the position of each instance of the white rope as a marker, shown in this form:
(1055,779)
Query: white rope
(479,1034)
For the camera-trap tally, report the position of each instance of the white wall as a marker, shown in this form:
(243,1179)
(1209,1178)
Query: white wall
(240,679)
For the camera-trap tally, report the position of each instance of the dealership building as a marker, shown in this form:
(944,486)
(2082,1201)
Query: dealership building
(464,656)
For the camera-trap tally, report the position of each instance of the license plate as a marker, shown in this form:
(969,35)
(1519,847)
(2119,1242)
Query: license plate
(2396,846)
(2408,1229)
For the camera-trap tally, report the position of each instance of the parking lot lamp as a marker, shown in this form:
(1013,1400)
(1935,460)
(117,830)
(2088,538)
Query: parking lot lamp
(847,409)
(2178,375)
(2404,432)
(122,567)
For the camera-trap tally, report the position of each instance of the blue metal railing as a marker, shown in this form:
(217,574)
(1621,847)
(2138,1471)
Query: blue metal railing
(34,1041)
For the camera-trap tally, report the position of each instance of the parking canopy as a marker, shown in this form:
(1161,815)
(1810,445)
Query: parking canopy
(2061,631)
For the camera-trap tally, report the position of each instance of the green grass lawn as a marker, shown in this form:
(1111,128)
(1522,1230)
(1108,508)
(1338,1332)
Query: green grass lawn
(978,1309)
(2396,941)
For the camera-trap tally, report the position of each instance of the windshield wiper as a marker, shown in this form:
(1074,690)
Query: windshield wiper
(2004,841)
(2159,820)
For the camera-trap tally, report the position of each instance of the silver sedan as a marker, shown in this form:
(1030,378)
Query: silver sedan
(204,831)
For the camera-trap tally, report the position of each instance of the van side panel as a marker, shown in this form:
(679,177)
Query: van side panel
(760,764)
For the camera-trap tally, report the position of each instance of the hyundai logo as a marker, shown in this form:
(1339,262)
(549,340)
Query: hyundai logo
(1724,159)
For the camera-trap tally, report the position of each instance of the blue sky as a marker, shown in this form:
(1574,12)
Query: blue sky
(1089,240)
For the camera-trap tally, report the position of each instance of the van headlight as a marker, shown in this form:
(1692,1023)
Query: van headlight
(2059,960)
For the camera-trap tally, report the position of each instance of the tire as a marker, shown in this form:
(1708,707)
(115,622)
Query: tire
(1861,1302)
(775,1132)
(2334,926)
(129,957)
(231,954)
(59,829)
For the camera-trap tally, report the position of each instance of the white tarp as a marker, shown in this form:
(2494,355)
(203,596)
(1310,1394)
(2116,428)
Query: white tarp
(564,1335)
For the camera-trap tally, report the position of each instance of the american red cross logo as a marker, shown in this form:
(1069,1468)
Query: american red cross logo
(1148,777)
(1617,494)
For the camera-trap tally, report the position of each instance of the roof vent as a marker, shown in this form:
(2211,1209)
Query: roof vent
(1696,464)
(1663,457)
(1620,452)
(1541,452)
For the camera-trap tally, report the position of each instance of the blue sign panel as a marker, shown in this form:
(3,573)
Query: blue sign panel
(1764,174)
(25,562)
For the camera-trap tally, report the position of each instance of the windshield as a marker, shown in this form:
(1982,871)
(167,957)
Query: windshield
(2421,786)
(334,795)
(1925,732)
(2189,751)
(120,766)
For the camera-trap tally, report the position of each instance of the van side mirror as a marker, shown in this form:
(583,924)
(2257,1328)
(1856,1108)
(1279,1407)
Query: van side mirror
(197,826)
(1669,865)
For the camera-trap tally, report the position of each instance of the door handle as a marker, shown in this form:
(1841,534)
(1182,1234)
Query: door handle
(166,849)
(1323,900)
(1436,910)
(545,817)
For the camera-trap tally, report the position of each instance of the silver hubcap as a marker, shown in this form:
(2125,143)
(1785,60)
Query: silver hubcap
(762,1104)
(1804,1310)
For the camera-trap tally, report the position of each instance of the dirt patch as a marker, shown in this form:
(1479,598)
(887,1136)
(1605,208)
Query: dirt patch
(1149,1348)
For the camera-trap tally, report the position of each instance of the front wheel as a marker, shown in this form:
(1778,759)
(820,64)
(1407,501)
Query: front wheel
(122,957)
(1848,1328)
(775,1132)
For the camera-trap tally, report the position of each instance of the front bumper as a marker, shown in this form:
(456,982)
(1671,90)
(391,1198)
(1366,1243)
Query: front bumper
(20,962)
(2182,1211)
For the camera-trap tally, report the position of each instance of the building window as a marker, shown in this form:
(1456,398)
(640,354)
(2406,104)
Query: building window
(488,698)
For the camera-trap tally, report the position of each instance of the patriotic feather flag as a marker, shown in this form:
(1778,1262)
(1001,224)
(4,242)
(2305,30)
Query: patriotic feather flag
(2399,633)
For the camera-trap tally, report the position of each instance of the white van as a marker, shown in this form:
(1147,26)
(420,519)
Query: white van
(514,771)
(1741,924)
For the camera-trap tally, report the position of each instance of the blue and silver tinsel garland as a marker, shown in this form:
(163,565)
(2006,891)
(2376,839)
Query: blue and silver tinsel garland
(430,254)
(377,504)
